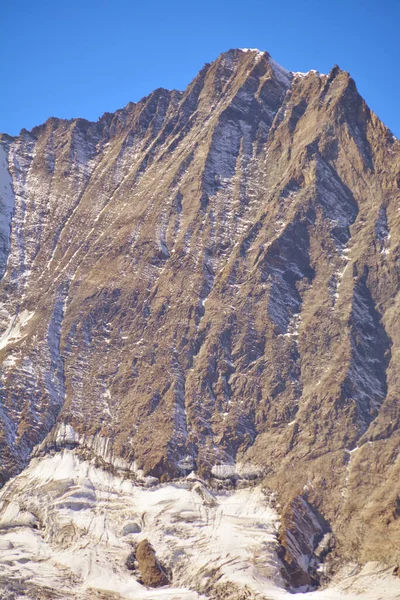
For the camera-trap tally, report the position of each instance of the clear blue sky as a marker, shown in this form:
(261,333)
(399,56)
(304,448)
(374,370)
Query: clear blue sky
(85,57)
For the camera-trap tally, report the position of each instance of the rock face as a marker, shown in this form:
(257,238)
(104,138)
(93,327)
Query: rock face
(211,277)
(301,528)
(151,571)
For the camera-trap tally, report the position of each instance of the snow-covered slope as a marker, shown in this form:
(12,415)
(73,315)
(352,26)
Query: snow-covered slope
(68,527)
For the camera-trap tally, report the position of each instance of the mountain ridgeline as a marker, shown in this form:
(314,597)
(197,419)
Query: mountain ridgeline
(209,280)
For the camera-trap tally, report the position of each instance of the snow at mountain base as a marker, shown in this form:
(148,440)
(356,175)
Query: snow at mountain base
(69,525)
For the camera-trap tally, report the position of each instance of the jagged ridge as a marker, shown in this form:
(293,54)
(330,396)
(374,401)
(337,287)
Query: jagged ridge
(210,276)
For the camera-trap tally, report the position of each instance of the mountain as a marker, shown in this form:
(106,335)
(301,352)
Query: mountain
(208,281)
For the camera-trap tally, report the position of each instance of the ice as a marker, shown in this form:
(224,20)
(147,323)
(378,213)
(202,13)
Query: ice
(67,524)
(193,530)
(64,435)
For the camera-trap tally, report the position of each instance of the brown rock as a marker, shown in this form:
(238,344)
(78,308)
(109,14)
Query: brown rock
(152,574)
(214,273)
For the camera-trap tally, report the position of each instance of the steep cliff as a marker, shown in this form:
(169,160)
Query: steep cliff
(211,278)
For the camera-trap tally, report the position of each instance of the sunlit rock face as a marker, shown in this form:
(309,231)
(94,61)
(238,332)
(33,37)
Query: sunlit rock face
(208,281)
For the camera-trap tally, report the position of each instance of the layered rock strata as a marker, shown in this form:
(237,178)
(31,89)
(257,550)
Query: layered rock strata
(209,278)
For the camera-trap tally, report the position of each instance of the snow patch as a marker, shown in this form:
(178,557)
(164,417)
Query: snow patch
(14,330)
(238,470)
(258,52)
(301,74)
(88,519)
(7,202)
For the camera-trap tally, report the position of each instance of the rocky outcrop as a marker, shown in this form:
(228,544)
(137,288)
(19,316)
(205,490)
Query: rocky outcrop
(152,574)
(303,529)
(210,277)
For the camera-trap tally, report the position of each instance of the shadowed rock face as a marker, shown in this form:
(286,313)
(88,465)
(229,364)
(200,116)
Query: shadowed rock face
(213,274)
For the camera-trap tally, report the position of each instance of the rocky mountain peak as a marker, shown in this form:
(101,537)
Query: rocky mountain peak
(208,281)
